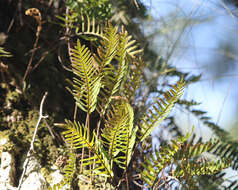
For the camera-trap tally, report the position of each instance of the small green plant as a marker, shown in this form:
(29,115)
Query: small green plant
(115,149)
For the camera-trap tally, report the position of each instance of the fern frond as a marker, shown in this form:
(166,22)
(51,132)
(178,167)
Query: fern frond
(187,169)
(4,53)
(188,150)
(181,164)
(156,162)
(227,150)
(133,80)
(108,46)
(89,27)
(112,76)
(129,45)
(119,134)
(160,110)
(82,24)
(77,136)
(87,84)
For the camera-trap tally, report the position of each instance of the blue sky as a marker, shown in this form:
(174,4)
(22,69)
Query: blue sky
(196,53)
(199,48)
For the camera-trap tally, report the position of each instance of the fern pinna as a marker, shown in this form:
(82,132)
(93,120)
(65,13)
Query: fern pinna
(109,150)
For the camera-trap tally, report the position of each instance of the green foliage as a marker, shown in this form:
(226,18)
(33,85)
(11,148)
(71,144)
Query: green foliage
(102,82)
(4,53)
(120,135)
(78,137)
(87,84)
(111,148)
(100,9)
(160,110)
(181,162)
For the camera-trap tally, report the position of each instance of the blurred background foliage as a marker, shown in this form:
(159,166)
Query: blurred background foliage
(165,35)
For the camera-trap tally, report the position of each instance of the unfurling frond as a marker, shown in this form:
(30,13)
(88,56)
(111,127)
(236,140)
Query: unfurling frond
(86,85)
(160,110)
(120,135)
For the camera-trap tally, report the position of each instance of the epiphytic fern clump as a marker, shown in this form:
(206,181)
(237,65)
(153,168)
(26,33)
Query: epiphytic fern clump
(105,82)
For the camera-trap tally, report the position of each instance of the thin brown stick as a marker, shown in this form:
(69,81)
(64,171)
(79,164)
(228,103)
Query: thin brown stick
(127,183)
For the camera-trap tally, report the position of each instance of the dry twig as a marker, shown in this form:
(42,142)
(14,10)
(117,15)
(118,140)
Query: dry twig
(29,153)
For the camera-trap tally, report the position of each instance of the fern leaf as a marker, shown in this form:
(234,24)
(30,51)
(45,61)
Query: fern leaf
(4,53)
(192,168)
(160,110)
(130,47)
(120,135)
(108,48)
(183,167)
(155,163)
(69,169)
(87,84)
(112,77)
(89,27)
(77,136)
(133,80)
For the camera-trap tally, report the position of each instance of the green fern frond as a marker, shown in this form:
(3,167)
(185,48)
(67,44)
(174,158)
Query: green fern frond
(160,110)
(128,44)
(112,76)
(4,53)
(187,169)
(119,134)
(78,137)
(83,26)
(182,164)
(89,27)
(155,163)
(87,84)
(108,46)
(188,151)
(227,150)
(133,80)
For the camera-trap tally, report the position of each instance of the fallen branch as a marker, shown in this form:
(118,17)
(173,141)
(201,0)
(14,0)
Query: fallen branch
(29,153)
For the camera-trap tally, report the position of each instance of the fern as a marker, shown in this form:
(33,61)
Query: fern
(83,26)
(107,81)
(180,160)
(87,84)
(120,135)
(4,53)
(133,80)
(88,27)
(155,164)
(77,136)
(160,110)
(116,47)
